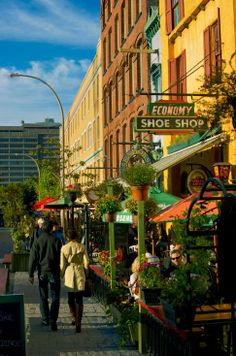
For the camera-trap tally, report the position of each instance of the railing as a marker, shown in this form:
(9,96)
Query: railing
(158,338)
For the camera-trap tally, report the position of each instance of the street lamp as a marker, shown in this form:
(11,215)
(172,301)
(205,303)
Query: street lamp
(14,75)
(37,165)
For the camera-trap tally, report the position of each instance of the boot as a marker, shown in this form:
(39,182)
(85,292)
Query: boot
(72,312)
(78,317)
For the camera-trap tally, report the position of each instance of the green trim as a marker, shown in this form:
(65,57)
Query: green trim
(152,24)
(90,157)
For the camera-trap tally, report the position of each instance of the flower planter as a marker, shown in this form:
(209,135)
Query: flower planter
(72,196)
(140,192)
(151,296)
(20,262)
(109,217)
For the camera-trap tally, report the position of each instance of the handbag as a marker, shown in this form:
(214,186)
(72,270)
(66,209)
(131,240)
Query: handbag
(88,288)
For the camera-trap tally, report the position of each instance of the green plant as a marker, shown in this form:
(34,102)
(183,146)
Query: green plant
(108,204)
(102,188)
(104,261)
(139,174)
(150,275)
(150,207)
(190,283)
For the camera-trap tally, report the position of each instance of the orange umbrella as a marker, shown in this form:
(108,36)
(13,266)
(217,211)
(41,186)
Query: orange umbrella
(179,210)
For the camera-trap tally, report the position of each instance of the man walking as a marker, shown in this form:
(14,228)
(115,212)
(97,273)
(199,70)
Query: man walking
(45,258)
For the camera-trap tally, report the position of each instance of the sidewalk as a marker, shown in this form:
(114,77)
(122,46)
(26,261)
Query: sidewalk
(98,337)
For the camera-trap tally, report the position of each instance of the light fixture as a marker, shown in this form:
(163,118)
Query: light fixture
(221,170)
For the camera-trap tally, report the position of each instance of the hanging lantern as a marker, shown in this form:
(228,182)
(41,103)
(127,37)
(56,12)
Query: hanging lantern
(221,171)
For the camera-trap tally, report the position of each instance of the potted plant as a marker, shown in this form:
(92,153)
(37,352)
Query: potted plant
(73,191)
(102,188)
(108,205)
(150,208)
(139,176)
(150,280)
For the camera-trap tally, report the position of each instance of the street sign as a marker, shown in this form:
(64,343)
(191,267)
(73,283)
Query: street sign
(170,125)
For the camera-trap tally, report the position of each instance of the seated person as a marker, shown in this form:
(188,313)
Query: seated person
(148,254)
(133,279)
(172,262)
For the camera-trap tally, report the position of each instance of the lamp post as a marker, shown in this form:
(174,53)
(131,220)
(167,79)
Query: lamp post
(15,75)
(37,165)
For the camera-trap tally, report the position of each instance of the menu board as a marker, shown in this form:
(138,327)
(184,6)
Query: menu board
(12,325)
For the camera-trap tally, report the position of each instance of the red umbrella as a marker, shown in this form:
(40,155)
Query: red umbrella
(40,205)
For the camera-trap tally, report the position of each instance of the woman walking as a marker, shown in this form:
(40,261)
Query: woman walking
(74,267)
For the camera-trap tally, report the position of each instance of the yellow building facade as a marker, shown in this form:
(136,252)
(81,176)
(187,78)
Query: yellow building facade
(198,40)
(83,125)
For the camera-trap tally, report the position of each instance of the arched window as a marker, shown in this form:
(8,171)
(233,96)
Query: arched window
(105,106)
(139,67)
(123,86)
(117,96)
(117,151)
(110,102)
(111,156)
(131,79)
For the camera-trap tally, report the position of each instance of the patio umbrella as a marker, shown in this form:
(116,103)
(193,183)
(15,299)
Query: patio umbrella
(179,210)
(62,203)
(161,198)
(40,205)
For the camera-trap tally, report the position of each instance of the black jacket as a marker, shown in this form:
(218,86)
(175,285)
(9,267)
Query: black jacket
(45,255)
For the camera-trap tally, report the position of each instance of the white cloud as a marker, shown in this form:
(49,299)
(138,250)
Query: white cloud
(50,21)
(30,100)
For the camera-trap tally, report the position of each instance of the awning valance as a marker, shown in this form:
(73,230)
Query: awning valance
(174,158)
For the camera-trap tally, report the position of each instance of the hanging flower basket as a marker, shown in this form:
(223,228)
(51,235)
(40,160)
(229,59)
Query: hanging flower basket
(110,217)
(140,192)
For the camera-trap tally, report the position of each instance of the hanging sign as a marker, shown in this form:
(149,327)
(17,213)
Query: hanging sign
(170,118)
(165,108)
(170,125)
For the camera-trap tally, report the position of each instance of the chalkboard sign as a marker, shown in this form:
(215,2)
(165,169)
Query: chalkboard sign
(12,325)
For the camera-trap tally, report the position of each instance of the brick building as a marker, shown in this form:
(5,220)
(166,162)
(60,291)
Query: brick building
(125,74)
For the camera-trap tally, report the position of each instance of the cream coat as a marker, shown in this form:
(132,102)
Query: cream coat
(74,259)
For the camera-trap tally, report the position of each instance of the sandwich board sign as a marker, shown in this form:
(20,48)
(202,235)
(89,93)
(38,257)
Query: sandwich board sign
(12,325)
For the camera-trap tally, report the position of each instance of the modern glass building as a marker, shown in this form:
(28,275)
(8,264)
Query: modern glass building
(17,143)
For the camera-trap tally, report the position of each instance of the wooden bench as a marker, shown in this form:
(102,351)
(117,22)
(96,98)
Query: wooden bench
(3,280)
(6,260)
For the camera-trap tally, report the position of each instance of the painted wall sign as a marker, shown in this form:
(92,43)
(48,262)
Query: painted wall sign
(164,108)
(175,124)
(195,180)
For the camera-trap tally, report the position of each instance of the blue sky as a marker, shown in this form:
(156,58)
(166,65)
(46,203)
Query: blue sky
(54,40)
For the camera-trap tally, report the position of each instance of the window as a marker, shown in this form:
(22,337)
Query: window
(130,14)
(111,156)
(139,67)
(117,97)
(106,158)
(104,55)
(156,80)
(105,106)
(123,86)
(116,34)
(124,138)
(110,102)
(131,131)
(131,79)
(177,77)
(212,53)
(174,14)
(109,46)
(138,8)
(123,20)
(117,150)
